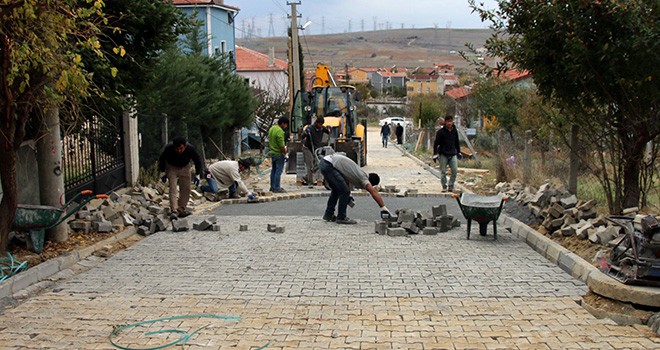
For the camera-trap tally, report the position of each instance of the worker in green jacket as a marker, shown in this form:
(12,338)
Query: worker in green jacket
(278,155)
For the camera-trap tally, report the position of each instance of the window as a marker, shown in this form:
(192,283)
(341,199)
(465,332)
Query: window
(223,46)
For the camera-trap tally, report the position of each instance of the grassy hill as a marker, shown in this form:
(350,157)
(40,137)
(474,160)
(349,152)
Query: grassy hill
(401,47)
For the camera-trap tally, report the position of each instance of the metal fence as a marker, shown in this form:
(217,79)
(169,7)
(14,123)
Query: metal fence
(94,157)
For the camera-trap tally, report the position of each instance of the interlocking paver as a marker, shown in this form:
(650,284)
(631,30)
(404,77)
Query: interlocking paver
(320,285)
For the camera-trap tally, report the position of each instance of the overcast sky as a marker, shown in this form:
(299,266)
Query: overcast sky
(336,16)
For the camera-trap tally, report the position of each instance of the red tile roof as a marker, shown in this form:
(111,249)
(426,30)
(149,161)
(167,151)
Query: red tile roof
(219,3)
(393,75)
(459,93)
(250,60)
(514,74)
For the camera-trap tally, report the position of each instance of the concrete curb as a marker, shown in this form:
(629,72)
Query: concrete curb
(582,270)
(48,268)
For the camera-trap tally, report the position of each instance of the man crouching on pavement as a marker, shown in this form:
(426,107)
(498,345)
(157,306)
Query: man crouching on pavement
(339,173)
(227,173)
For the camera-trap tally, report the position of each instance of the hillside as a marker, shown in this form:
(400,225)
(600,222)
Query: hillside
(402,47)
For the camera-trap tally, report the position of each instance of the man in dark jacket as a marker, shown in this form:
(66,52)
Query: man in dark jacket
(399,134)
(447,148)
(385,133)
(312,140)
(175,163)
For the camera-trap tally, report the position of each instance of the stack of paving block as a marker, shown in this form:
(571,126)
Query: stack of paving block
(275,228)
(388,189)
(408,222)
(146,208)
(210,223)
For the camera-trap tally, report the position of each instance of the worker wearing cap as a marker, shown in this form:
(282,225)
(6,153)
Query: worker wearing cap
(227,174)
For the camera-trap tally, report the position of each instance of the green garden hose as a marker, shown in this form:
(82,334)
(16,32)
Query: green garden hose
(181,341)
(10,267)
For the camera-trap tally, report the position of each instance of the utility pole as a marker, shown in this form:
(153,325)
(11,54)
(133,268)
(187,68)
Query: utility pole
(295,54)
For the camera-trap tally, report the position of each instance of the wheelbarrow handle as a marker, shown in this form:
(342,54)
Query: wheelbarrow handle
(101,196)
(454,195)
(86,192)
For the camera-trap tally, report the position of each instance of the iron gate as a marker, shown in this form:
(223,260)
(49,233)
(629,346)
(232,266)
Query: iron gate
(93,157)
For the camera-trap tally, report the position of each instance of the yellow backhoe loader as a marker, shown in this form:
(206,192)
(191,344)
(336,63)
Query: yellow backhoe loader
(337,105)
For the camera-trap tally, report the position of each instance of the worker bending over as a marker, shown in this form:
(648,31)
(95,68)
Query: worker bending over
(341,174)
(227,174)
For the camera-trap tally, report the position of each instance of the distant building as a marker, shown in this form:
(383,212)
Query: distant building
(384,79)
(421,84)
(261,71)
(355,76)
(217,23)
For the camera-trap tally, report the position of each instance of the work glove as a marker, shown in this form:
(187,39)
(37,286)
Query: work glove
(385,213)
(163,178)
(435,158)
(251,196)
(196,180)
(459,156)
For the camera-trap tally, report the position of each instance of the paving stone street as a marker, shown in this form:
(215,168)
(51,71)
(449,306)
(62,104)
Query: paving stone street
(321,285)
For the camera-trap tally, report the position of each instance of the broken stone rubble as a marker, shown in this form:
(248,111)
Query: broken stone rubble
(562,213)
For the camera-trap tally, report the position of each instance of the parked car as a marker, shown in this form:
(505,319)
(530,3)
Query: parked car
(395,120)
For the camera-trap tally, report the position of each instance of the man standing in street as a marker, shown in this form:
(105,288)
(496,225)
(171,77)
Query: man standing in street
(399,134)
(227,174)
(385,133)
(448,149)
(175,163)
(312,139)
(341,174)
(277,146)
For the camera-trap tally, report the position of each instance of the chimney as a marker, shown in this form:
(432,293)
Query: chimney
(271,57)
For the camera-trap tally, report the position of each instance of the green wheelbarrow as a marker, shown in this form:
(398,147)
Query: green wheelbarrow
(482,209)
(36,219)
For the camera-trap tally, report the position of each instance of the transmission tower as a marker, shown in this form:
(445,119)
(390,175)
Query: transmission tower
(375,23)
(448,35)
(322,24)
(271,28)
(362,25)
(349,25)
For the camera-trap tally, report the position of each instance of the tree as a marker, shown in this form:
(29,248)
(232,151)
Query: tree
(214,103)
(271,106)
(598,61)
(139,30)
(494,97)
(429,108)
(41,66)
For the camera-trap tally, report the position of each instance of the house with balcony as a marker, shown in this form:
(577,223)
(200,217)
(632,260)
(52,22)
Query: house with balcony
(218,23)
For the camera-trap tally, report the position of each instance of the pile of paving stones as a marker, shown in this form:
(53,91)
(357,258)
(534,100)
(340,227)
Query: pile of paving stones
(562,213)
(410,222)
(146,208)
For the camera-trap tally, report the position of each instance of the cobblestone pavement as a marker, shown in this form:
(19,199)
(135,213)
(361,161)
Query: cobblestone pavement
(318,285)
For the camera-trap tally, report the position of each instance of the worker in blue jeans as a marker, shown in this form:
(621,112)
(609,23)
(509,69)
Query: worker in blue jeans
(340,174)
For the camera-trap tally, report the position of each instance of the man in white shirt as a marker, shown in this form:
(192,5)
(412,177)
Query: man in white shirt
(341,174)
(227,174)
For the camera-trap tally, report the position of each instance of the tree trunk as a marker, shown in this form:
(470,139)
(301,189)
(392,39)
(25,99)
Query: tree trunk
(631,166)
(9,201)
